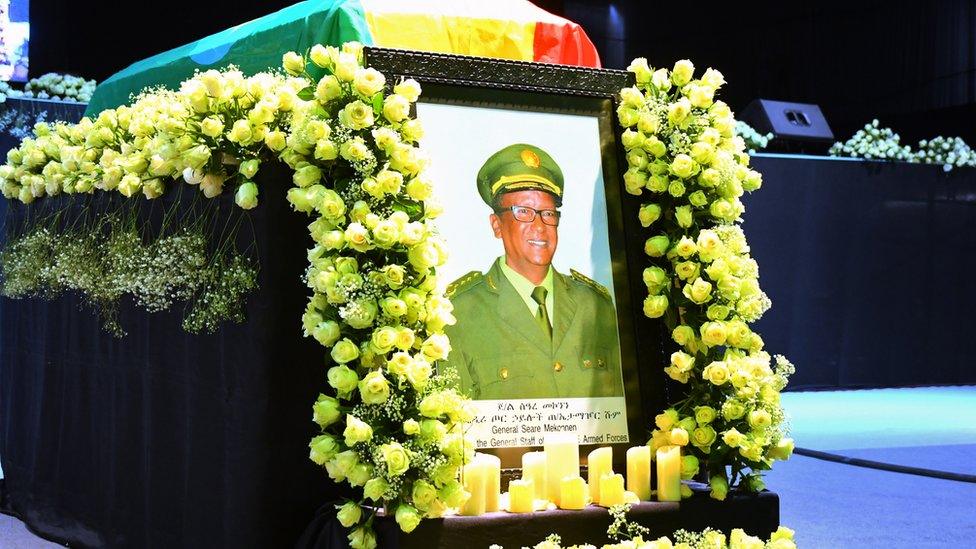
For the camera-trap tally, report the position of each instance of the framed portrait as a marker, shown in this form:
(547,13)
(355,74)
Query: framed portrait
(545,268)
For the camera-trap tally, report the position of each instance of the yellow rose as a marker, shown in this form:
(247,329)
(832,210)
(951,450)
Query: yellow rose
(412,130)
(436,347)
(342,378)
(714,333)
(684,166)
(396,458)
(355,150)
(325,411)
(703,436)
(356,430)
(396,108)
(369,82)
(386,233)
(405,338)
(409,89)
(345,67)
(682,361)
(717,372)
(666,420)
(760,419)
(356,115)
(699,292)
(328,89)
(685,247)
(733,438)
(418,372)
(682,72)
(678,437)
(642,72)
(374,388)
(344,351)
(701,96)
(420,189)
(661,79)
(679,112)
(655,306)
(713,78)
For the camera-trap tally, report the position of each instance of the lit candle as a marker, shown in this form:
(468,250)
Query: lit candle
(493,486)
(572,493)
(474,483)
(639,472)
(611,489)
(534,469)
(599,462)
(669,473)
(562,460)
(521,496)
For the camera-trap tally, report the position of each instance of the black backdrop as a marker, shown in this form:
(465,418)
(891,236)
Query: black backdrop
(911,64)
(870,269)
(165,439)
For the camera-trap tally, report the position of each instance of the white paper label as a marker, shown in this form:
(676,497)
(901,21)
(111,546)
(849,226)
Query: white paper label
(526,422)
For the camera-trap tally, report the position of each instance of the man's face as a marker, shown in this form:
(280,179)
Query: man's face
(528,246)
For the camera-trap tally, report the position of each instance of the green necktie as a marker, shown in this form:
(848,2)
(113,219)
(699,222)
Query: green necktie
(542,317)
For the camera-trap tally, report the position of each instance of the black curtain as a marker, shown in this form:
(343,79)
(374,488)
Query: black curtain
(166,439)
(869,266)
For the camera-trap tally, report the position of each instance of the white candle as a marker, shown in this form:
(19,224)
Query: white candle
(521,496)
(493,485)
(598,463)
(474,483)
(611,489)
(572,493)
(534,469)
(639,472)
(669,473)
(562,460)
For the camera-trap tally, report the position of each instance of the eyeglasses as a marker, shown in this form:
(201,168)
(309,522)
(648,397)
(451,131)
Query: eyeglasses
(526,214)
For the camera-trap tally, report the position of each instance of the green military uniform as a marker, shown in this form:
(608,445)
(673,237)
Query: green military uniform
(506,344)
(500,351)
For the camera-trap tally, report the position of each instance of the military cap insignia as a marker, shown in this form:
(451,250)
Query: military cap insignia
(580,277)
(462,283)
(530,159)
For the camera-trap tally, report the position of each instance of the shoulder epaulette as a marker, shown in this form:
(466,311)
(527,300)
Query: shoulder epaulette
(462,283)
(580,277)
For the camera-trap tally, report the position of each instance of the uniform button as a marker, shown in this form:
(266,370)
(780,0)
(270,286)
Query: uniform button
(558,366)
(587,363)
(503,373)
(601,364)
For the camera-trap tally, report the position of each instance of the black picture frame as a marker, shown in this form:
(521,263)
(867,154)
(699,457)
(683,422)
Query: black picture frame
(484,82)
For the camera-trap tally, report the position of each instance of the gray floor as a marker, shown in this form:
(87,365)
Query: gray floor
(831,505)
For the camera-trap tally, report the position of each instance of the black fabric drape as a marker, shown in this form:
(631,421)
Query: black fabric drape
(166,439)
(869,266)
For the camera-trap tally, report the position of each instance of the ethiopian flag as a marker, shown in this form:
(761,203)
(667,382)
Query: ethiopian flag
(506,29)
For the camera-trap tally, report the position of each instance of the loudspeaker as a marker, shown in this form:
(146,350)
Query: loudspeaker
(788,121)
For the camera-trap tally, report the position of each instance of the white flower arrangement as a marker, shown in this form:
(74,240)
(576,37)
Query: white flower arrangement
(873,142)
(690,168)
(754,140)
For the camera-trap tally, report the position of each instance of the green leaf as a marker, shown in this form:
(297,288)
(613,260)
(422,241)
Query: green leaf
(307,94)
(411,208)
(378,103)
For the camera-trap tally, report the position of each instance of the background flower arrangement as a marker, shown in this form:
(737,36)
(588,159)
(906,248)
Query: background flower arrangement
(690,168)
(754,140)
(873,142)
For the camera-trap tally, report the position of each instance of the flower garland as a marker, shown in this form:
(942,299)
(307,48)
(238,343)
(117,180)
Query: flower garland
(687,164)
(393,428)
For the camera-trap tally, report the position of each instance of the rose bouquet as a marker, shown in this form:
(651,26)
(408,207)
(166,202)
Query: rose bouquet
(690,168)
(392,427)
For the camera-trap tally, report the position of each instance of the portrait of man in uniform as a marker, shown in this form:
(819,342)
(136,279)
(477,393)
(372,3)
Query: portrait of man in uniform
(525,330)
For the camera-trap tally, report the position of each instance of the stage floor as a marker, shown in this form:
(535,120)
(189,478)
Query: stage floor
(836,505)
